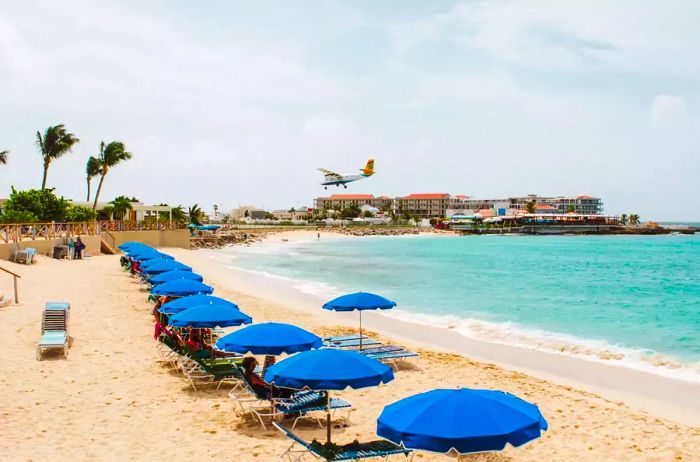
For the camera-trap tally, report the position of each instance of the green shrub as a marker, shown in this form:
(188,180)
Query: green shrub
(78,213)
(12,216)
(41,203)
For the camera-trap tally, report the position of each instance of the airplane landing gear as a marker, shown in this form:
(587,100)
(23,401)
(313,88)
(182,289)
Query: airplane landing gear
(325,187)
(345,186)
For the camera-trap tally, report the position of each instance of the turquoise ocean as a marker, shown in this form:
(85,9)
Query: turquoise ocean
(628,300)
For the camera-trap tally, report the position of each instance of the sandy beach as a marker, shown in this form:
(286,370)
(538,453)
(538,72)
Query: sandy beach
(112,398)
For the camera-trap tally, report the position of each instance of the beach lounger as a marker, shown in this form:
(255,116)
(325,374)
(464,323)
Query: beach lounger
(52,339)
(352,343)
(392,357)
(301,405)
(352,451)
(54,328)
(381,349)
(25,256)
(304,403)
(343,338)
(220,370)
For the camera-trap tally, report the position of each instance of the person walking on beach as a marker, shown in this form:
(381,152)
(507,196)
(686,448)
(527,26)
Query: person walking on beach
(79,246)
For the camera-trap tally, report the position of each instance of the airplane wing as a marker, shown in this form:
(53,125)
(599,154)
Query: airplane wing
(329,174)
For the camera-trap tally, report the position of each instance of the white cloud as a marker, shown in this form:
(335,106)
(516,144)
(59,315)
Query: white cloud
(227,106)
(653,36)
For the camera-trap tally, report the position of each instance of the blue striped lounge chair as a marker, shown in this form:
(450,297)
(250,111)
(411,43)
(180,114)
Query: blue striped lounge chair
(54,329)
(354,451)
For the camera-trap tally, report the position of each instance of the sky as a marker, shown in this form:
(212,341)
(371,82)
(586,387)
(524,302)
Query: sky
(231,102)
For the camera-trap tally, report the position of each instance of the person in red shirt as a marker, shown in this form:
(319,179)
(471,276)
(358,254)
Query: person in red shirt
(261,387)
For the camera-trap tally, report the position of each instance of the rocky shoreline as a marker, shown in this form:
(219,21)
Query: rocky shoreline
(228,238)
(231,237)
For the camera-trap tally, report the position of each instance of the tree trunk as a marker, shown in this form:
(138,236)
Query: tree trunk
(46,172)
(88,190)
(99,188)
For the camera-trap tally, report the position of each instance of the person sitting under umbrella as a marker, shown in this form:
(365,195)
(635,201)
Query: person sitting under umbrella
(261,387)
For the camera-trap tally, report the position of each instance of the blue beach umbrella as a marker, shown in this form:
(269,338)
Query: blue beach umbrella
(164,266)
(131,245)
(209,316)
(185,303)
(359,301)
(181,288)
(152,259)
(328,369)
(175,275)
(141,252)
(270,338)
(155,255)
(462,419)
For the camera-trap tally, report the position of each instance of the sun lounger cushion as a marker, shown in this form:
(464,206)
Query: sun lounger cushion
(351,343)
(57,306)
(392,355)
(53,337)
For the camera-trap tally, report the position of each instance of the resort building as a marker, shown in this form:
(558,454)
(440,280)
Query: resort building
(139,212)
(248,211)
(423,205)
(440,205)
(582,205)
(341,201)
(293,214)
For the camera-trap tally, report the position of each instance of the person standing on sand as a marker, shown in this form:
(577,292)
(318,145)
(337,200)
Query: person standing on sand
(79,246)
(71,248)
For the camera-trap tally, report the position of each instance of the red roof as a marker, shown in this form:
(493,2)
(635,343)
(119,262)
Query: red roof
(585,197)
(350,197)
(427,196)
(545,206)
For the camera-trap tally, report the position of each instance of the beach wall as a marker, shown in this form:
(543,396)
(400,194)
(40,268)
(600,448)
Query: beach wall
(45,246)
(166,238)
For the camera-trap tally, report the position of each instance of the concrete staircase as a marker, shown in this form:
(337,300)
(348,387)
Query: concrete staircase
(105,247)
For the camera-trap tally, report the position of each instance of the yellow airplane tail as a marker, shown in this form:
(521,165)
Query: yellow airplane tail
(369,168)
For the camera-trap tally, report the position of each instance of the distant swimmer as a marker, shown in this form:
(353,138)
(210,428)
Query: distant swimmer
(337,179)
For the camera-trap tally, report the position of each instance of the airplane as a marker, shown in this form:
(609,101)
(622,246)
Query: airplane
(337,179)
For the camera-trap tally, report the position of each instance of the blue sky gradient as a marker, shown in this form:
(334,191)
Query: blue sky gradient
(238,102)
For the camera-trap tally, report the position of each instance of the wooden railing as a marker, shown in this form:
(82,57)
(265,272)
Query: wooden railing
(117,225)
(42,231)
(15,276)
(18,232)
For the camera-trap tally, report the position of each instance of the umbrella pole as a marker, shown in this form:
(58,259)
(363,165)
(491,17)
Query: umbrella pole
(328,416)
(360,329)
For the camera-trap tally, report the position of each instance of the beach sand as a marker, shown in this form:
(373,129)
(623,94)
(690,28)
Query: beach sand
(112,399)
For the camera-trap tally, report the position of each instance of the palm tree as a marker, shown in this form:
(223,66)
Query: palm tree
(54,143)
(623,219)
(634,219)
(195,214)
(531,207)
(3,157)
(120,205)
(110,155)
(92,169)
(178,214)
